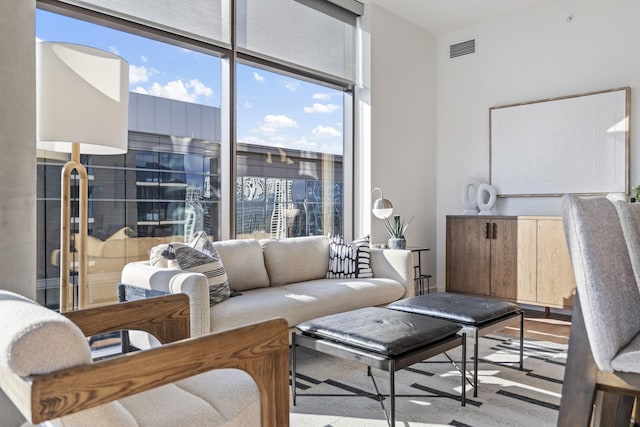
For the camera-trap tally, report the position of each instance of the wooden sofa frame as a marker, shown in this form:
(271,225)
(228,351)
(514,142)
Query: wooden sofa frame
(259,349)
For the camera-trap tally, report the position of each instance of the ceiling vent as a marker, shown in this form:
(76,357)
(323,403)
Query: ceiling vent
(463,48)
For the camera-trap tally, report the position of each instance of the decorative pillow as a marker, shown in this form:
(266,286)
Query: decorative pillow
(188,258)
(202,243)
(159,257)
(349,260)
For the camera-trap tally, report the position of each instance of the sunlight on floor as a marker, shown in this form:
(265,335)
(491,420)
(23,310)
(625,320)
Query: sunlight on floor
(306,420)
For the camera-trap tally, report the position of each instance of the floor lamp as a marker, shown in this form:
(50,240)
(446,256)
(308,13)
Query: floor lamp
(82,97)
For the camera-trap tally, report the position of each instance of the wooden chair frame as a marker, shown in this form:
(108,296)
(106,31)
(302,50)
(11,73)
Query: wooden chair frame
(261,350)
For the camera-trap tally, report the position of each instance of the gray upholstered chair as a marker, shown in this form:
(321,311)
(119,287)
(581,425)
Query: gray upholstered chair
(46,368)
(604,342)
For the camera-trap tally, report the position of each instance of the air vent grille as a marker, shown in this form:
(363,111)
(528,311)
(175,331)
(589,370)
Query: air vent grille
(463,48)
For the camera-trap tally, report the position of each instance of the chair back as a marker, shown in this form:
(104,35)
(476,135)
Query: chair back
(605,280)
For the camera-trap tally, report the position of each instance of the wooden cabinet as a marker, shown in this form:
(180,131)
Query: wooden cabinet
(481,255)
(521,259)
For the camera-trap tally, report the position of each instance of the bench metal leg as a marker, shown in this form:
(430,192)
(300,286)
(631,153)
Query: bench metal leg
(464,370)
(521,340)
(475,363)
(392,391)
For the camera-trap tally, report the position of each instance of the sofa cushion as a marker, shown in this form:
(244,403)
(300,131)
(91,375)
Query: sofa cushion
(349,259)
(299,302)
(244,263)
(36,340)
(296,259)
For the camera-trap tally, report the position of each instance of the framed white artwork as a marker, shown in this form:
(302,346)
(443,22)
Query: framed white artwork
(573,144)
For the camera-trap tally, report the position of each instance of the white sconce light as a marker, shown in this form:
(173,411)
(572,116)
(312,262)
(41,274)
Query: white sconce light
(381,208)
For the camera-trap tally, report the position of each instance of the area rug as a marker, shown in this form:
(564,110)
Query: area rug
(337,393)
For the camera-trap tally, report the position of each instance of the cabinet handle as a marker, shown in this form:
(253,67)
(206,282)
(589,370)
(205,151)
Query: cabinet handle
(494,231)
(487,230)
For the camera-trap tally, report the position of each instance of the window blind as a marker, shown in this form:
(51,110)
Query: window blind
(315,35)
(204,20)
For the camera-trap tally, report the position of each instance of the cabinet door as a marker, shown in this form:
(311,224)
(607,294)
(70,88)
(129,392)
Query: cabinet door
(468,256)
(504,267)
(527,260)
(556,284)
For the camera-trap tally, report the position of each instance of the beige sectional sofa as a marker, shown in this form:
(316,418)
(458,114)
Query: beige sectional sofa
(278,278)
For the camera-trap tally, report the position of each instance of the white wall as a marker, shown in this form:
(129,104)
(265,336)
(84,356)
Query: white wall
(535,54)
(403,126)
(18,159)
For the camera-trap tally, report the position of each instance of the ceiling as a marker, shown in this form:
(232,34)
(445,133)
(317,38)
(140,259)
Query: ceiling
(442,16)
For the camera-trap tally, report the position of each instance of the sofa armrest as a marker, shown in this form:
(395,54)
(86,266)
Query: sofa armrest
(394,264)
(141,274)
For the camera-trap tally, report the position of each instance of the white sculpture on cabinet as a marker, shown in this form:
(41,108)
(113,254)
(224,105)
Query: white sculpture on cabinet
(470,196)
(486,199)
(476,194)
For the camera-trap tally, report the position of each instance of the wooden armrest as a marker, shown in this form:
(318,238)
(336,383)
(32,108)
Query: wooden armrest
(165,317)
(260,349)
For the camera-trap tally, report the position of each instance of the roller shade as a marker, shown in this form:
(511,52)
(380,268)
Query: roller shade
(204,20)
(309,34)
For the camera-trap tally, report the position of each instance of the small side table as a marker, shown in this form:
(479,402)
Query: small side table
(419,276)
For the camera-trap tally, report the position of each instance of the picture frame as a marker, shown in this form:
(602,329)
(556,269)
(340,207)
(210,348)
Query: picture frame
(572,144)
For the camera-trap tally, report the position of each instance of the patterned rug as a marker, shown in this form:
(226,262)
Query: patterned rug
(337,393)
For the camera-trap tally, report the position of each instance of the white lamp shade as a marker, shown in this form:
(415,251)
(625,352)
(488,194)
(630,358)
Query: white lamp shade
(83,97)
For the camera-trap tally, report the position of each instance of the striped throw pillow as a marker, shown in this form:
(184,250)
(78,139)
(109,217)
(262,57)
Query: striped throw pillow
(349,260)
(209,264)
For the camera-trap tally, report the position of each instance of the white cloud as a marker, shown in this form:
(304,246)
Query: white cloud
(258,77)
(38,39)
(247,105)
(273,122)
(291,85)
(322,131)
(178,90)
(114,50)
(144,58)
(199,88)
(321,108)
(322,96)
(138,74)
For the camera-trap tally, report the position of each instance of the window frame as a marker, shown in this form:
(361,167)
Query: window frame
(230,57)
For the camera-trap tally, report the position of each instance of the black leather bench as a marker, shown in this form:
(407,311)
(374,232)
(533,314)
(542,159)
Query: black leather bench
(478,316)
(389,340)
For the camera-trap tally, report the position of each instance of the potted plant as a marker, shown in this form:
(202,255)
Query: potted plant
(396,229)
(636,192)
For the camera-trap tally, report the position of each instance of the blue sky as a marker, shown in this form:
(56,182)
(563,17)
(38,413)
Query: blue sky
(273,109)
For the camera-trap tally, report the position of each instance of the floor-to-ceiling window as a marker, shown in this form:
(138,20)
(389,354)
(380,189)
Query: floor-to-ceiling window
(283,175)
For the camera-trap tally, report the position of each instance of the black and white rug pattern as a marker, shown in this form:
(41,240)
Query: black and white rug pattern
(335,393)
